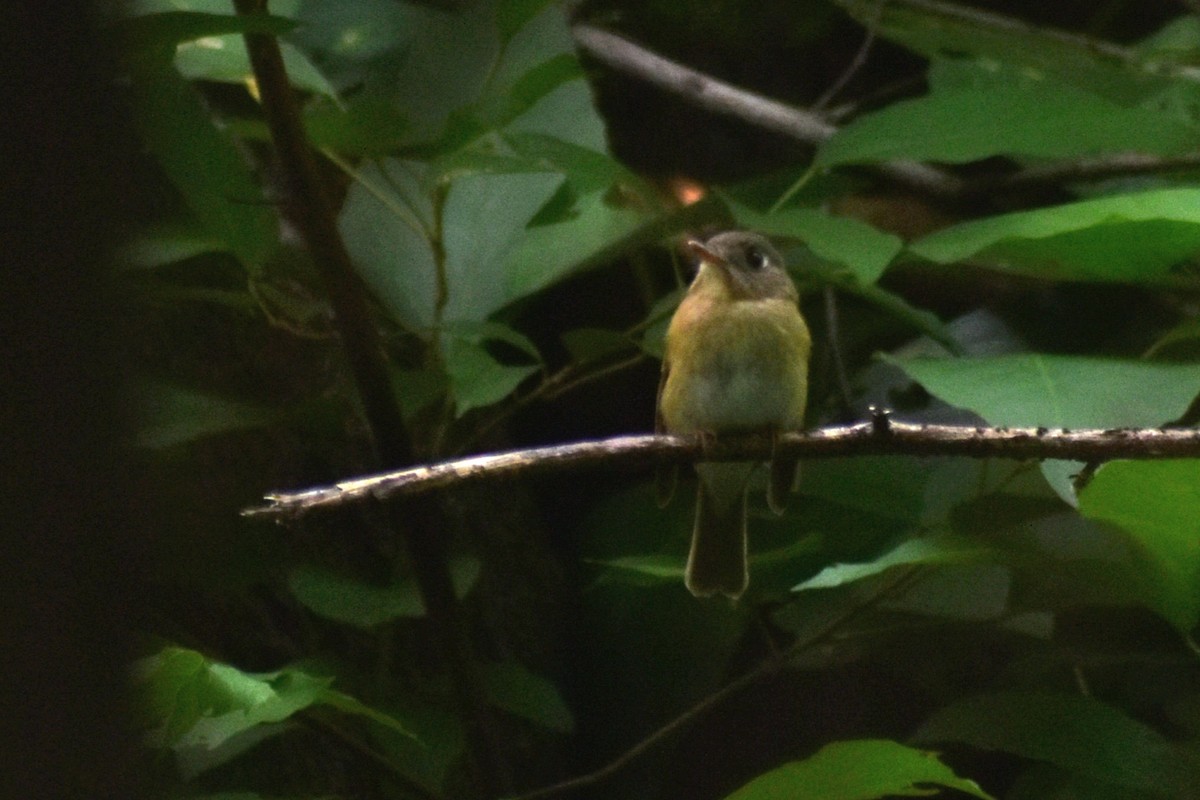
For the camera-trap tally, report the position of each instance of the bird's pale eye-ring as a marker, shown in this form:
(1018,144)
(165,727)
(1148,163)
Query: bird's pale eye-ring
(756,258)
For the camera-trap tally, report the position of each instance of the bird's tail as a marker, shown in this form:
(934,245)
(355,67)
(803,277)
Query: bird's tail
(717,561)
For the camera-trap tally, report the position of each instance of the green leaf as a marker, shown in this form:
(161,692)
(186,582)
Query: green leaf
(477,378)
(923,550)
(518,691)
(975,592)
(858,770)
(167,244)
(169,415)
(223,59)
(841,240)
(484,224)
(587,170)
(344,599)
(986,110)
(1135,237)
(549,253)
(158,34)
(208,712)
(1032,389)
(198,702)
(1158,504)
(349,705)
(942,30)
(657,568)
(512,15)
(386,222)
(1076,733)
(201,161)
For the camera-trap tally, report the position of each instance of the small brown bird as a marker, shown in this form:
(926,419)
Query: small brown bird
(736,360)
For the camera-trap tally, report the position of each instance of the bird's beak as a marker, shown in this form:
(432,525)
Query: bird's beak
(701,252)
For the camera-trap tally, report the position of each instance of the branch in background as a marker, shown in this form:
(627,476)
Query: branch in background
(313,215)
(714,95)
(1087,169)
(709,93)
(877,437)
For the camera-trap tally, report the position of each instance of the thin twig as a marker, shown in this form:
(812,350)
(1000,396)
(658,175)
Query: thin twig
(822,631)
(856,63)
(877,437)
(834,343)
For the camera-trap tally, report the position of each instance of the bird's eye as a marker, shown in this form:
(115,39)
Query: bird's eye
(756,258)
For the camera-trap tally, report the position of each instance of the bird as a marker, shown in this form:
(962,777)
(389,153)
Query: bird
(736,361)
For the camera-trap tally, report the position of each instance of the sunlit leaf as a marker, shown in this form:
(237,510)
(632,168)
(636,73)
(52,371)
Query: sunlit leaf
(858,770)
(1135,237)
(1032,389)
(922,550)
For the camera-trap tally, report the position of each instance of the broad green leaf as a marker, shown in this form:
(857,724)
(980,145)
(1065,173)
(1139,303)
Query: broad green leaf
(998,111)
(1158,504)
(388,218)
(922,550)
(841,240)
(354,602)
(1136,237)
(864,769)
(201,161)
(386,222)
(483,226)
(208,712)
(513,688)
(169,415)
(1079,734)
(1032,389)
(548,253)
(942,30)
(200,702)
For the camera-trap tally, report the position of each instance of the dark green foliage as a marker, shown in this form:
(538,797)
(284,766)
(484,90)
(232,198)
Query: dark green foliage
(1036,621)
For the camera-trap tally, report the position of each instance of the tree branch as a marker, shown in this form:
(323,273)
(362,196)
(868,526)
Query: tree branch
(421,528)
(720,97)
(877,437)
(709,93)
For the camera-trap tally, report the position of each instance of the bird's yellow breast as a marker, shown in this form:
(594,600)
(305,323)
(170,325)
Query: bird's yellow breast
(735,365)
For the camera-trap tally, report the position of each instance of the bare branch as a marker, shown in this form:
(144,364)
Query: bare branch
(720,97)
(808,127)
(878,437)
